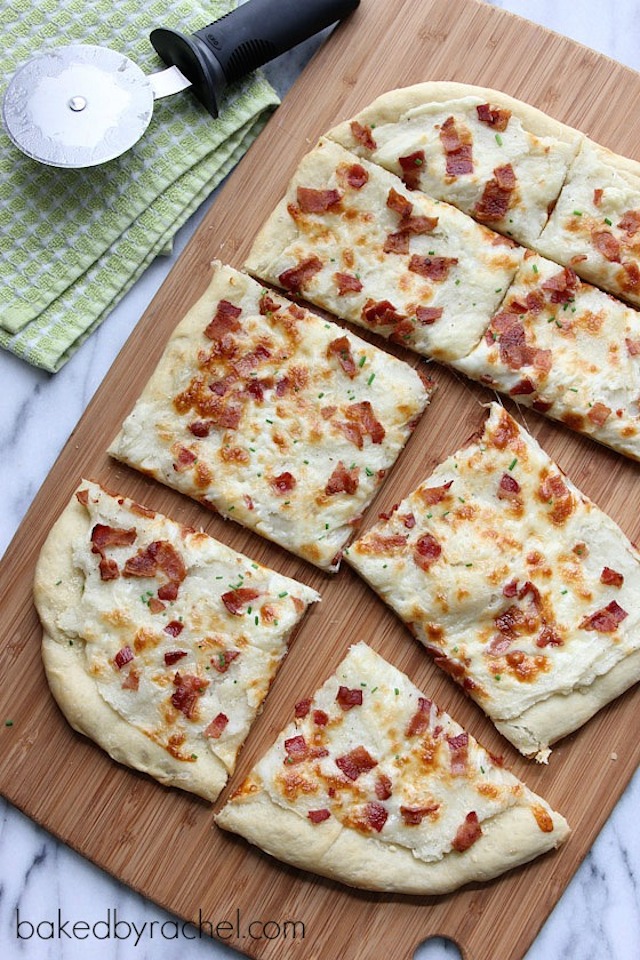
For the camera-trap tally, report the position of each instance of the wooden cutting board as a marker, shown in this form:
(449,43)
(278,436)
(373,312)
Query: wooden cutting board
(163,843)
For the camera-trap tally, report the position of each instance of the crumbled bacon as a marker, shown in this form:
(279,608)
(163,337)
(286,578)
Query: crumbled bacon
(356,762)
(457,149)
(523,387)
(311,200)
(630,222)
(381,313)
(349,698)
(103,536)
(554,491)
(363,134)
(318,816)
(468,833)
(235,600)
(597,196)
(200,428)
(433,268)
(419,723)
(633,347)
(174,628)
(428,315)
(296,749)
(605,620)
(496,196)
(361,422)
(222,660)
(131,681)
(383,787)
(188,689)
(224,322)
(295,278)
(399,204)
(341,348)
(599,414)
(282,484)
(376,815)
(459,748)
(172,656)
(562,286)
(413,816)
(320,718)
(606,244)
(433,495)
(631,276)
(508,488)
(347,283)
(217,727)
(158,556)
(123,656)
(611,577)
(357,176)
(302,708)
(496,117)
(411,167)
(549,638)
(342,480)
(426,551)
(268,305)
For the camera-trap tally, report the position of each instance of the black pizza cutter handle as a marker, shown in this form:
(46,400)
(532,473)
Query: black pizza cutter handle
(242,40)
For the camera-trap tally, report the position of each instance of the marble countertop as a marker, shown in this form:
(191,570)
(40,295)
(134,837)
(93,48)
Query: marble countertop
(598,917)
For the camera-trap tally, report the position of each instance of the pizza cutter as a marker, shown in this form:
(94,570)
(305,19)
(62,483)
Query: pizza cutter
(81,105)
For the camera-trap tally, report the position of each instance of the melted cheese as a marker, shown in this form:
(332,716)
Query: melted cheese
(589,375)
(125,614)
(417,771)
(351,237)
(300,417)
(505,604)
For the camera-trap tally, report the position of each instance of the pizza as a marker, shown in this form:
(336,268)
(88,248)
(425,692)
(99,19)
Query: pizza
(496,158)
(159,642)
(566,349)
(520,587)
(351,238)
(272,416)
(595,226)
(374,786)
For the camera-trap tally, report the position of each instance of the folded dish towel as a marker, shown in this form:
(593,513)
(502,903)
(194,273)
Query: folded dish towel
(72,242)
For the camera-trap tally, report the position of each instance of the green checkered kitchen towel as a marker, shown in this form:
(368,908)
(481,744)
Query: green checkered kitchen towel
(72,242)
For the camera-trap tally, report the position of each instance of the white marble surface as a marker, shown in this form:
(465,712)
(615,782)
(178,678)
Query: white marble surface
(598,918)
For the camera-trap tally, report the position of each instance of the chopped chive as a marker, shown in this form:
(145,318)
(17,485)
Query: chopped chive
(283,594)
(498,139)
(577,213)
(8,723)
(535,268)
(368,471)
(362,361)
(371,379)
(608,222)
(513,463)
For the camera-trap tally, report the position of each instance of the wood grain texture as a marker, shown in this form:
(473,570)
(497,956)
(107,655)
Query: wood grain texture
(164,843)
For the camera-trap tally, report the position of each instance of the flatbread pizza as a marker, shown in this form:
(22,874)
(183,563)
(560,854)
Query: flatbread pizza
(374,786)
(272,416)
(520,587)
(159,642)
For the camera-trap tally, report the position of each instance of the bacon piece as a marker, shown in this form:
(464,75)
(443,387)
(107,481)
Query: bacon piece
(397,243)
(419,723)
(381,313)
(411,167)
(341,348)
(174,628)
(553,490)
(508,488)
(631,279)
(217,727)
(302,708)
(311,200)
(611,577)
(362,422)
(376,815)
(103,536)
(284,483)
(158,556)
(200,428)
(155,605)
(630,222)
(296,749)
(597,196)
(433,495)
(457,149)
(468,833)
(123,656)
(318,816)
(383,787)
(363,134)
(599,414)
(347,283)
(349,698)
(295,278)
(426,551)
(188,689)
(433,268)
(523,387)
(356,762)
(496,196)
(342,480)
(399,204)
(131,681)
(606,244)
(498,646)
(224,322)
(562,286)
(428,315)
(235,600)
(549,638)
(172,656)
(633,347)
(413,816)
(223,659)
(496,117)
(357,176)
(459,747)
(268,305)
(320,718)
(605,620)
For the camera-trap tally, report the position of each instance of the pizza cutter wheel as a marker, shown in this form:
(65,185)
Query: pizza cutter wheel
(82,105)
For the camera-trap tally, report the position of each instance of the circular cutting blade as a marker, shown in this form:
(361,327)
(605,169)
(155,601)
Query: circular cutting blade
(77,106)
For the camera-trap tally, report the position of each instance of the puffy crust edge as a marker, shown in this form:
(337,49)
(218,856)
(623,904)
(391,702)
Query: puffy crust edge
(57,586)
(508,840)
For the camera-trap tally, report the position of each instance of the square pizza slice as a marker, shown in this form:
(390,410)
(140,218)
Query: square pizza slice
(372,785)
(568,350)
(496,158)
(273,416)
(351,238)
(519,586)
(595,226)
(159,643)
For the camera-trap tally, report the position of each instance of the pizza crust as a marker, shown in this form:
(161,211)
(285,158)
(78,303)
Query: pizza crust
(509,840)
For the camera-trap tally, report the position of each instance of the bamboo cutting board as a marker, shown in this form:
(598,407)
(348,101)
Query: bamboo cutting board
(163,843)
